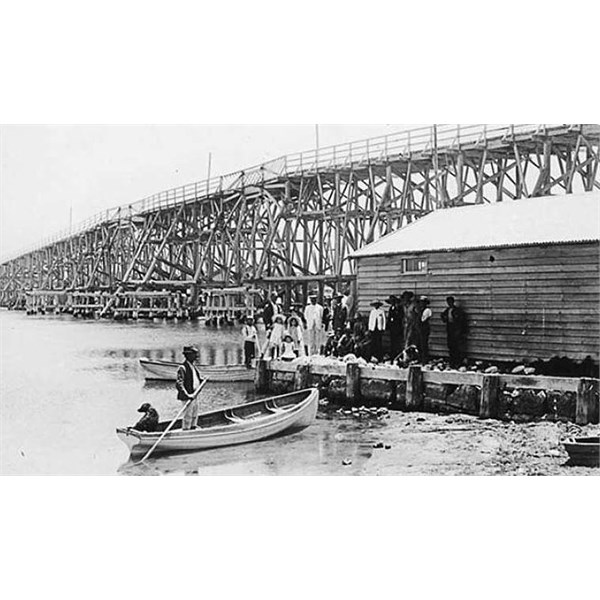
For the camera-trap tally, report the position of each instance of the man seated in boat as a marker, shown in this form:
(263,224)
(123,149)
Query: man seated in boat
(188,380)
(149,421)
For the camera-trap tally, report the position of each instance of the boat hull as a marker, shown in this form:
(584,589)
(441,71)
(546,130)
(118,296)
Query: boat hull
(583,451)
(235,425)
(162,370)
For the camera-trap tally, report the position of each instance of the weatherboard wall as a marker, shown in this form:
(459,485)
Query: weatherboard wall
(521,303)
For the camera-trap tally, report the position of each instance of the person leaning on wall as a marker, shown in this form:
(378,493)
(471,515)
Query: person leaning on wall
(455,320)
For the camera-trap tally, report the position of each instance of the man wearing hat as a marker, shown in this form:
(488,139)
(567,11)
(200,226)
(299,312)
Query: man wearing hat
(270,309)
(376,327)
(313,317)
(412,320)
(339,313)
(149,422)
(188,381)
(454,318)
(395,317)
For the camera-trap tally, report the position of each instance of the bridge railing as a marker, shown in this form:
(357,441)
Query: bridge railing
(404,143)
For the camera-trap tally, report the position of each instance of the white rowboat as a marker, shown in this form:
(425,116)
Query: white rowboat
(164,370)
(239,424)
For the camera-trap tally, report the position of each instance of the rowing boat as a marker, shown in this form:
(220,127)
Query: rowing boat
(239,424)
(164,370)
(584,451)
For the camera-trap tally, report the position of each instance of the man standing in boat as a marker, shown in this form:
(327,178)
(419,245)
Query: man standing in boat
(188,381)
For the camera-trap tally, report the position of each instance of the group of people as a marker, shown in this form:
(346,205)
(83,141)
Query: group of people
(329,329)
(408,321)
(303,331)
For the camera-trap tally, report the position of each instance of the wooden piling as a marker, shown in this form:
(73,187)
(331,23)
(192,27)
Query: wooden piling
(587,407)
(490,389)
(353,384)
(261,377)
(302,377)
(414,388)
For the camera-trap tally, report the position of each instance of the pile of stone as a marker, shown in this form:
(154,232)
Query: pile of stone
(478,366)
(439,364)
(364,412)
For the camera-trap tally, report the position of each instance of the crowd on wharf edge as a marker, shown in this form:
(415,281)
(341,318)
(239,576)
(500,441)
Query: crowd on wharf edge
(329,329)
(333,328)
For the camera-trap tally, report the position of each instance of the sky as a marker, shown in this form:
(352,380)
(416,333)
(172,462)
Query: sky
(48,172)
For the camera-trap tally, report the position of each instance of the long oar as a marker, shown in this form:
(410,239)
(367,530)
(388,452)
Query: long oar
(159,440)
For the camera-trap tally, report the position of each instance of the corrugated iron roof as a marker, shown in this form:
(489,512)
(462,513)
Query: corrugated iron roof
(524,222)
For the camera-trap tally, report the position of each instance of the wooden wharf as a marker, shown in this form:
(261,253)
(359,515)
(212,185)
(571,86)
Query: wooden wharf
(418,389)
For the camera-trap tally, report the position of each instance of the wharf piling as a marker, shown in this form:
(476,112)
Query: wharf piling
(500,396)
(302,377)
(490,390)
(353,384)
(414,388)
(587,407)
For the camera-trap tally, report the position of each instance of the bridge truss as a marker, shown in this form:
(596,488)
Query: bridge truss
(294,221)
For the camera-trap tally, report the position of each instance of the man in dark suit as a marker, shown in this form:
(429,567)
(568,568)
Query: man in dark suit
(188,381)
(270,309)
(395,318)
(339,314)
(454,318)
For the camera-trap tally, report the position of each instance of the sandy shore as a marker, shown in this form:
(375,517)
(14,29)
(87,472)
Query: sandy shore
(426,444)
(399,444)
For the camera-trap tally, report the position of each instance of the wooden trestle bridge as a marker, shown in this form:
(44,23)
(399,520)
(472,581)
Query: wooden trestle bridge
(293,222)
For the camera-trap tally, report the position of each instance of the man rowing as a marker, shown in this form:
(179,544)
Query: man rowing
(187,382)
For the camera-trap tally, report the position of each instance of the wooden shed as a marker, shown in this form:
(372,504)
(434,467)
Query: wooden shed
(524,271)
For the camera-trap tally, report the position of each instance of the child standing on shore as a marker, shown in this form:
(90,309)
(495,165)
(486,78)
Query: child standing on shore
(250,335)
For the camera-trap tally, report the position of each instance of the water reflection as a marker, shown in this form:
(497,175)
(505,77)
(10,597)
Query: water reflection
(88,382)
(210,353)
(322,449)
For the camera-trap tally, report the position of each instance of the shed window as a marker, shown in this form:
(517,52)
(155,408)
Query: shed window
(415,265)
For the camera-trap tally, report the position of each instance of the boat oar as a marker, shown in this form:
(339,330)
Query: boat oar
(169,427)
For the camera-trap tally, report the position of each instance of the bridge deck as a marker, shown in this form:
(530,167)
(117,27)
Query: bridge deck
(415,144)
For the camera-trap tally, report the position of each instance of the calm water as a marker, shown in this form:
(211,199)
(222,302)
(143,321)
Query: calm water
(66,384)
